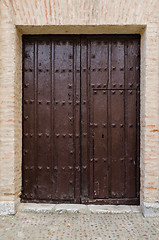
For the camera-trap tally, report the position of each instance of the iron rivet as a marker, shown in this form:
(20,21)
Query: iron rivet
(113,68)
(70,135)
(26,117)
(26,134)
(63,102)
(121,125)
(121,91)
(121,69)
(47,135)
(130,125)
(57,135)
(84,101)
(114,84)
(77,135)
(40,101)
(70,70)
(84,134)
(95,92)
(55,168)
(113,125)
(113,92)
(26,101)
(130,84)
(121,159)
(99,69)
(131,159)
(70,167)
(84,167)
(130,68)
(104,159)
(63,70)
(48,102)
(32,167)
(105,69)
(120,85)
(70,85)
(91,124)
(56,102)
(98,85)
(78,70)
(93,56)
(104,124)
(69,102)
(40,134)
(130,91)
(64,135)
(93,69)
(77,102)
(84,69)
(104,85)
(91,159)
(104,92)
(40,167)
(31,101)
(56,70)
(92,85)
(31,134)
(95,124)
(71,152)
(96,159)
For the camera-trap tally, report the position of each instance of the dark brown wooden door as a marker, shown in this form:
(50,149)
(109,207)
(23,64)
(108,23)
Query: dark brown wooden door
(81,119)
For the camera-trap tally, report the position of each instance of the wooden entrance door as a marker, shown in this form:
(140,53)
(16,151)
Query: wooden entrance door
(81,119)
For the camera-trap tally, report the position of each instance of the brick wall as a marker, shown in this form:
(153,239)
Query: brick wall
(71,16)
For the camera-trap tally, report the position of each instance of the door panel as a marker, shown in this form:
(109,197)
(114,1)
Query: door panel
(54,90)
(111,119)
(81,118)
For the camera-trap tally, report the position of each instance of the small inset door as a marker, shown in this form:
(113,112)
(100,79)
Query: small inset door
(81,119)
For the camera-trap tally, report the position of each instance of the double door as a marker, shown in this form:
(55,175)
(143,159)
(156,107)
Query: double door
(81,119)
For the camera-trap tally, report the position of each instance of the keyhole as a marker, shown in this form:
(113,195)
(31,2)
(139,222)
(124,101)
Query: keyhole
(102,135)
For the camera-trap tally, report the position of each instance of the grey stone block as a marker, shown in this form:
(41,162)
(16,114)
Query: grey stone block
(9,207)
(73,208)
(35,207)
(150,209)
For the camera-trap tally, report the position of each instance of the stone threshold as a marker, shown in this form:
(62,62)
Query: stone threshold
(76,208)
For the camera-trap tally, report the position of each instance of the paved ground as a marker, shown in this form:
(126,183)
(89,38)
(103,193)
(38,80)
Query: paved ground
(80,226)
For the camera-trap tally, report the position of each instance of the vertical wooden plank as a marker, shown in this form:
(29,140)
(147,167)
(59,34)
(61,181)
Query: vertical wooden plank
(117,64)
(64,119)
(77,103)
(86,162)
(100,144)
(131,159)
(133,64)
(44,180)
(117,153)
(29,170)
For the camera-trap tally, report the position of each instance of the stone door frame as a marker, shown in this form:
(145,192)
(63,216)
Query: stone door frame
(12,151)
